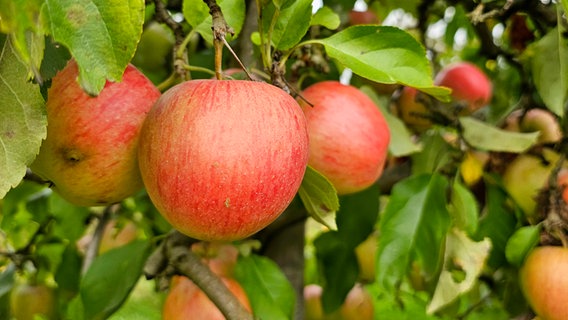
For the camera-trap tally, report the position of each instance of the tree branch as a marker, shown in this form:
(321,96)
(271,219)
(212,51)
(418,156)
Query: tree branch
(93,247)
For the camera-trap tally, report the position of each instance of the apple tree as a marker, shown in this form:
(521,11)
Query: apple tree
(283,159)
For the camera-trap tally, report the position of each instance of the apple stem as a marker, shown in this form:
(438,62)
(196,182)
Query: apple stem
(220,29)
(174,256)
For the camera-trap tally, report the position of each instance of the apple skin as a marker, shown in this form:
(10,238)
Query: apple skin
(363,17)
(366,253)
(185,300)
(223,159)
(544,282)
(90,153)
(468,83)
(533,120)
(28,300)
(562,183)
(313,309)
(349,136)
(525,176)
(411,111)
(358,305)
(115,236)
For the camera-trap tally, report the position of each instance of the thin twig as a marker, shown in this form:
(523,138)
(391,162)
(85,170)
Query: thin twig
(162,15)
(93,247)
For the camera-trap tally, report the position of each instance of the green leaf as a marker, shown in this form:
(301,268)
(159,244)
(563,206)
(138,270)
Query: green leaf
(521,243)
(291,23)
(110,279)
(384,54)
(270,293)
(436,156)
(549,64)
(358,215)
(68,273)
(7,279)
(464,208)
(319,196)
(22,118)
(326,17)
(197,15)
(101,35)
(484,136)
(69,219)
(401,143)
(463,263)
(21,19)
(338,262)
(414,224)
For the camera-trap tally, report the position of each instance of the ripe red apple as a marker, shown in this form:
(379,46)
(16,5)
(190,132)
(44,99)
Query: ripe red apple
(534,120)
(27,302)
(544,282)
(412,111)
(186,301)
(223,159)
(349,136)
(90,151)
(468,83)
(562,183)
(363,17)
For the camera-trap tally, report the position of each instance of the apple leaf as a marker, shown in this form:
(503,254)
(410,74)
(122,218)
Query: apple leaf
(22,118)
(101,35)
(384,54)
(197,15)
(21,19)
(326,17)
(358,215)
(319,196)
(549,64)
(437,156)
(463,262)
(484,136)
(464,208)
(269,291)
(521,243)
(401,143)
(7,279)
(291,25)
(110,279)
(414,224)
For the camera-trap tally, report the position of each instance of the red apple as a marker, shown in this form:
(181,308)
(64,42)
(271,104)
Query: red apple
(349,136)
(363,17)
(223,159)
(28,302)
(412,111)
(468,83)
(186,301)
(544,282)
(90,153)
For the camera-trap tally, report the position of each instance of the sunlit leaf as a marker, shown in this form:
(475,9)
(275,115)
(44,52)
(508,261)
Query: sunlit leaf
(383,54)
(464,208)
(22,118)
(463,263)
(484,136)
(102,36)
(549,64)
(290,24)
(326,17)
(269,291)
(521,243)
(319,196)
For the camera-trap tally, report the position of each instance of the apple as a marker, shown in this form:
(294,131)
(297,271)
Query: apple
(313,309)
(543,121)
(357,17)
(349,136)
(115,236)
(468,83)
(185,300)
(223,159)
(29,301)
(562,183)
(544,283)
(526,175)
(221,257)
(366,253)
(154,51)
(412,111)
(90,153)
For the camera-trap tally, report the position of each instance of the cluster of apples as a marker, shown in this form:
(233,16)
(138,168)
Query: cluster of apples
(219,159)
